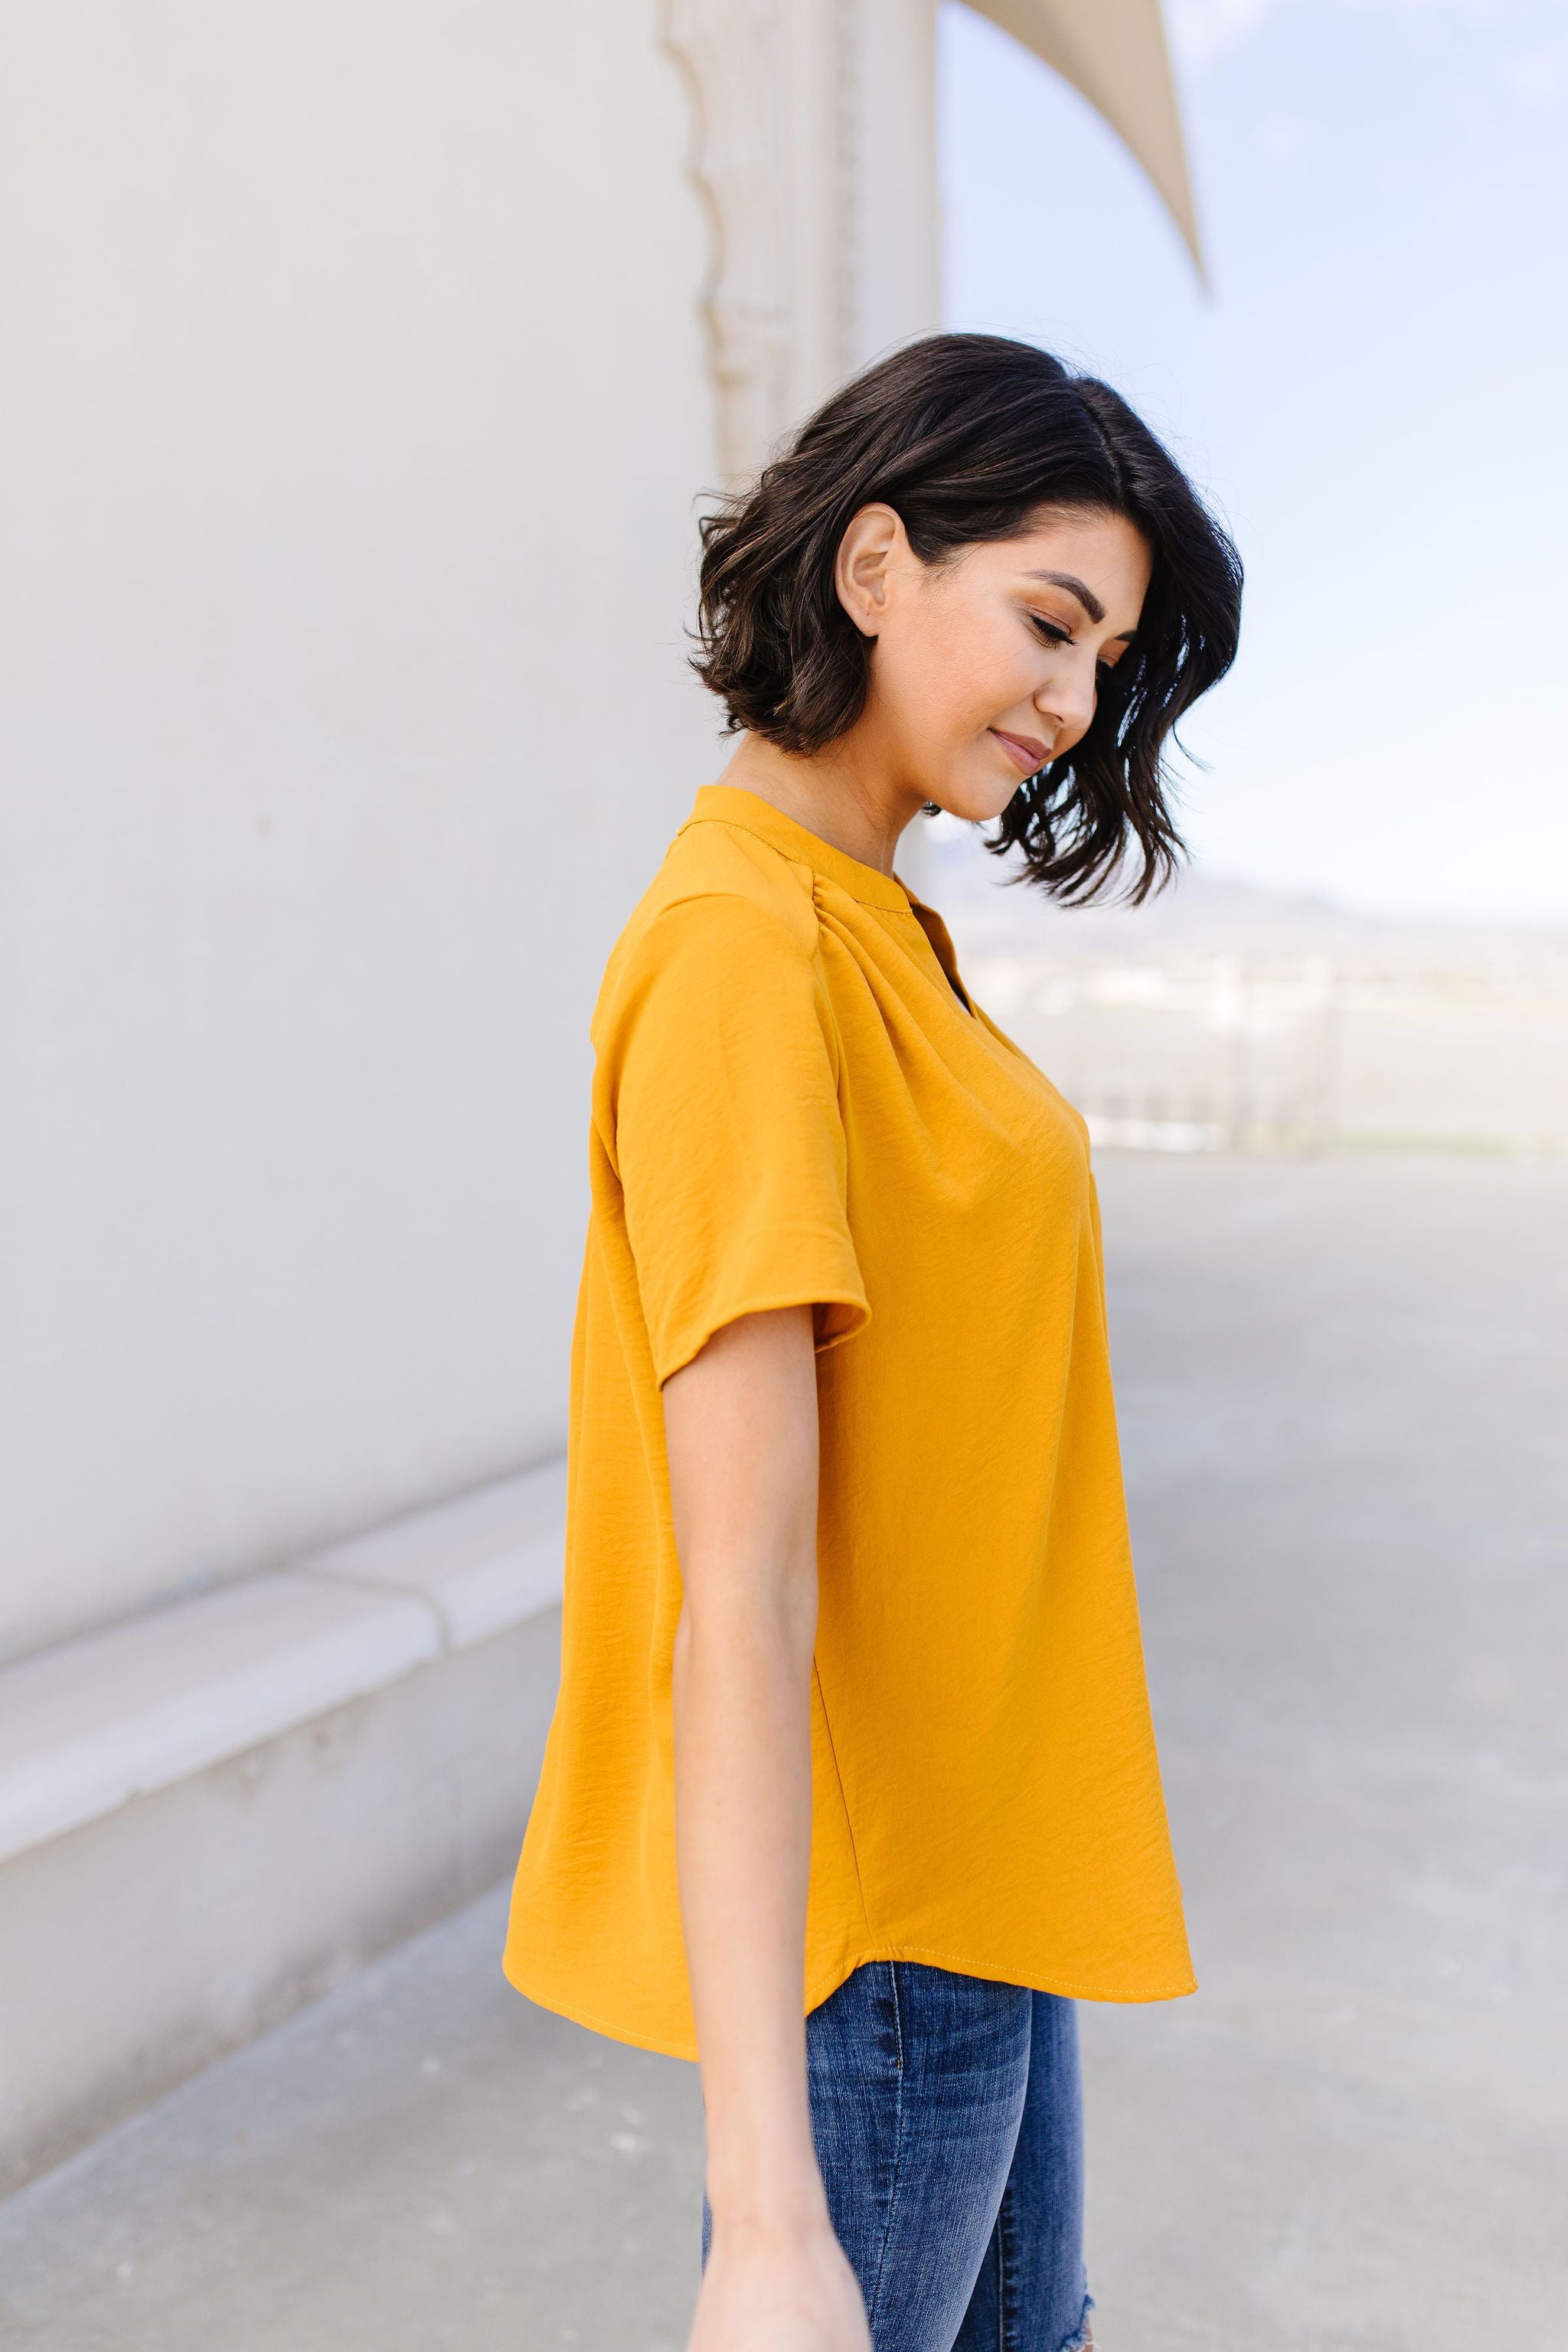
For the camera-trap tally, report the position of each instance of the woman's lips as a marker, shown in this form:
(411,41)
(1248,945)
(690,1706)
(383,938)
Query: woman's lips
(1028,751)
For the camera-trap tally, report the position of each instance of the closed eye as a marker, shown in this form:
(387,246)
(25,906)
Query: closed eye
(1054,634)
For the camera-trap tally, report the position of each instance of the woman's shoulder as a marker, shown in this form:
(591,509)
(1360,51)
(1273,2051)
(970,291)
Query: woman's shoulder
(726,931)
(722,888)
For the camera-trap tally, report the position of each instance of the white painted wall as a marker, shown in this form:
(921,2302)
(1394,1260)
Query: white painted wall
(352,410)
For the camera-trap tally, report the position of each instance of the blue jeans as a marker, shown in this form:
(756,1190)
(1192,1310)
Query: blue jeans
(948,2122)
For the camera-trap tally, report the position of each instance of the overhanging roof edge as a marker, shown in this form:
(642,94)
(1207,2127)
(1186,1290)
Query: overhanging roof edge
(1115,54)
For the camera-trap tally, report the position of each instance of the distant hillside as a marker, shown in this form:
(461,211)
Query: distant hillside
(1207,914)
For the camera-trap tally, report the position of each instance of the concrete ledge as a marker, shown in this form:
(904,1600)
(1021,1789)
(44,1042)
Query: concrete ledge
(86,1727)
(482,1563)
(214,1812)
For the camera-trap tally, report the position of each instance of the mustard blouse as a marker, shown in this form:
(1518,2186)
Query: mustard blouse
(795,1102)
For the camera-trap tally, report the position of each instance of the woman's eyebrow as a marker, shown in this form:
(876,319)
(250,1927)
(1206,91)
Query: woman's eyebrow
(1075,587)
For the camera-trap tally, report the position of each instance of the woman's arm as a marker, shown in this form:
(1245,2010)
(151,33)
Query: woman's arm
(741,1432)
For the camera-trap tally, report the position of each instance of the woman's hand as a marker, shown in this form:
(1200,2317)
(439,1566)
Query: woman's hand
(770,2289)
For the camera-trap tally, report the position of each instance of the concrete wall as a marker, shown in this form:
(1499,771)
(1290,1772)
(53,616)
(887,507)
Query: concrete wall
(364,366)
(144,1943)
(353,406)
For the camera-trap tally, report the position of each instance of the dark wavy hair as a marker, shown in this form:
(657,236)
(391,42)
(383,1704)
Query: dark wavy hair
(967,437)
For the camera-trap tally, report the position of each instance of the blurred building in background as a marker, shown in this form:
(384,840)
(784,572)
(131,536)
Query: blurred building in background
(365,371)
(1222,1017)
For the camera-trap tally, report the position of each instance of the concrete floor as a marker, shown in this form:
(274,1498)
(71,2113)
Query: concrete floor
(1343,1390)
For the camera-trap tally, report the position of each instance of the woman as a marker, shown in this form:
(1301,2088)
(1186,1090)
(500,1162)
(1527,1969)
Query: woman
(851,1788)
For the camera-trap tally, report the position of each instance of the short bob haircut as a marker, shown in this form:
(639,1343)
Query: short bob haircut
(967,437)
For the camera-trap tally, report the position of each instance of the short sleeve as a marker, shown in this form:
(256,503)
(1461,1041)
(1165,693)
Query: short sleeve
(716,1085)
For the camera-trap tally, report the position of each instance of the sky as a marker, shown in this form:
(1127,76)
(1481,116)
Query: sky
(1372,393)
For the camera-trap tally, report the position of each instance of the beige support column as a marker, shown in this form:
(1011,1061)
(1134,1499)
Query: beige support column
(814,153)
(896,230)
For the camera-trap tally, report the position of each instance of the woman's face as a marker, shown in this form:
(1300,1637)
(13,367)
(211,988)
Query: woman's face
(986,666)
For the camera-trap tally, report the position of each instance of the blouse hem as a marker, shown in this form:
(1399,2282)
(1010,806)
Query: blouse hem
(767,1302)
(664,2045)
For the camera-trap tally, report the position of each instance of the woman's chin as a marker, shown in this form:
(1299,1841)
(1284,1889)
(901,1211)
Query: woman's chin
(978,804)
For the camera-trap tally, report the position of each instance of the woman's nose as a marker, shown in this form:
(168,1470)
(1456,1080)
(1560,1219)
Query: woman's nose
(1067,704)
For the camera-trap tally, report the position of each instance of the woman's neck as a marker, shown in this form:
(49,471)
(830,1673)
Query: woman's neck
(830,793)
